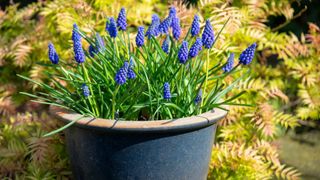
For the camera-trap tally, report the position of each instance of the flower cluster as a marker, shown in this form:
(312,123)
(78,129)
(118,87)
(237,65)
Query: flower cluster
(229,64)
(77,45)
(166,91)
(164,61)
(53,56)
(247,55)
(140,36)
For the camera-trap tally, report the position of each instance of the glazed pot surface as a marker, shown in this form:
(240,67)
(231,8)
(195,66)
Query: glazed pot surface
(168,152)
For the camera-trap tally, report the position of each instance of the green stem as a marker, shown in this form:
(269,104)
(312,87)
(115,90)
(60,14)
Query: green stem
(92,101)
(206,81)
(114,101)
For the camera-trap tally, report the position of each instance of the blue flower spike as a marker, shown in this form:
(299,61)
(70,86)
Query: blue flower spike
(195,48)
(165,25)
(172,12)
(198,98)
(154,30)
(208,35)
(165,45)
(77,45)
(91,50)
(131,74)
(176,29)
(121,75)
(122,20)
(247,55)
(140,36)
(53,56)
(85,90)
(166,91)
(183,52)
(195,27)
(111,27)
(229,65)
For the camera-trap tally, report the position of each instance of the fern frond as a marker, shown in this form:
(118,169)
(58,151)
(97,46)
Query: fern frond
(6,106)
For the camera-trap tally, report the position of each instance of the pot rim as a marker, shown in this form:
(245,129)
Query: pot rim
(155,126)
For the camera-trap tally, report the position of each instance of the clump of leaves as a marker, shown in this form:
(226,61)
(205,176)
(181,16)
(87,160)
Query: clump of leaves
(162,78)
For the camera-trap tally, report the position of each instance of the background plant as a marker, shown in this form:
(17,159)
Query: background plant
(25,154)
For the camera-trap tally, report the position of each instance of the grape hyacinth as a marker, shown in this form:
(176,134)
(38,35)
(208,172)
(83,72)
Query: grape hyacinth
(77,45)
(140,36)
(183,52)
(166,91)
(91,50)
(165,45)
(247,55)
(229,64)
(121,76)
(131,62)
(122,20)
(176,29)
(99,42)
(111,27)
(85,90)
(195,27)
(195,48)
(165,25)
(172,12)
(208,35)
(131,74)
(153,30)
(53,56)
(198,98)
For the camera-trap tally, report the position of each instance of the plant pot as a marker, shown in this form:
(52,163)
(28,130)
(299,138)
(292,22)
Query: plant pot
(140,150)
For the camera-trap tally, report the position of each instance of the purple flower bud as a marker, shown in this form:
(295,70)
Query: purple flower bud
(122,20)
(198,98)
(85,90)
(140,36)
(183,52)
(53,56)
(176,29)
(111,27)
(172,12)
(247,55)
(121,76)
(99,43)
(165,45)
(166,91)
(165,25)
(195,27)
(229,64)
(91,50)
(208,35)
(131,74)
(131,62)
(153,30)
(195,48)
(77,45)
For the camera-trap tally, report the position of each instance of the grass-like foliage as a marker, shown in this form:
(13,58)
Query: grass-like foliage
(160,75)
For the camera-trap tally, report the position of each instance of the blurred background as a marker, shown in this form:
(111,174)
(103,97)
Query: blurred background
(277,139)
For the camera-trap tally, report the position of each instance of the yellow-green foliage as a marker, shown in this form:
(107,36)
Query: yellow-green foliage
(25,154)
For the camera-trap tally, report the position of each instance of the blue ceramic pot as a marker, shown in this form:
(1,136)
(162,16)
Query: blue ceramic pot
(177,149)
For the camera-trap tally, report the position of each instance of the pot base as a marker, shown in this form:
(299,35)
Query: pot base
(137,156)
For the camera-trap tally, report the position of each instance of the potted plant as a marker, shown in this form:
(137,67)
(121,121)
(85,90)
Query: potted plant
(143,110)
